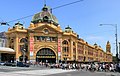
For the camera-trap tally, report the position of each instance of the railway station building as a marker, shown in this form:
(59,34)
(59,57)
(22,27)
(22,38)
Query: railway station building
(45,41)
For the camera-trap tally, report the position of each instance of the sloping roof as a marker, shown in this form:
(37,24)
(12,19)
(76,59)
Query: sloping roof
(5,49)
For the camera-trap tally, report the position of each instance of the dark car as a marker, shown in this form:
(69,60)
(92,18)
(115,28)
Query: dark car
(21,64)
(9,64)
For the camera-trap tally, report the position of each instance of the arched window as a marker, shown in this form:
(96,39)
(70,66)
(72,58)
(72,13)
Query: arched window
(23,40)
(45,18)
(24,46)
(65,47)
(65,42)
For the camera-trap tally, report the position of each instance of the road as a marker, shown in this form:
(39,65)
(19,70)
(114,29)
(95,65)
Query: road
(86,73)
(42,71)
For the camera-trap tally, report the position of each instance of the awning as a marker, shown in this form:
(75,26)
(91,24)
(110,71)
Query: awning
(6,50)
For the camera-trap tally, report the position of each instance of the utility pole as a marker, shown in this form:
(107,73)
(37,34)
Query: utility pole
(116,43)
(119,52)
(116,40)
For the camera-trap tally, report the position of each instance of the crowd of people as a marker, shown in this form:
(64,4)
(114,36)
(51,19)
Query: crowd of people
(90,66)
(101,67)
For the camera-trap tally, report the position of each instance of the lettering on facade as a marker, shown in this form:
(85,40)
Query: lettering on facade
(45,56)
(31,45)
(59,47)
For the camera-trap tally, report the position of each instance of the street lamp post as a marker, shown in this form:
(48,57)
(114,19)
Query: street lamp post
(119,51)
(116,41)
(24,55)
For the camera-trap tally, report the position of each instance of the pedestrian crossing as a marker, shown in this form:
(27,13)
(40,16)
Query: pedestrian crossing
(23,71)
(28,72)
(43,72)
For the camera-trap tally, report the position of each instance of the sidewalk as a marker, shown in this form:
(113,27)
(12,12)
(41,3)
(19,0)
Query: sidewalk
(35,72)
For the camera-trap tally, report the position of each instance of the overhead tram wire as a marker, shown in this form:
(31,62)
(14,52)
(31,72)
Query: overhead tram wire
(52,9)
(67,4)
(20,18)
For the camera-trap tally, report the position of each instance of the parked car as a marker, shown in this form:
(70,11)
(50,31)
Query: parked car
(21,64)
(9,64)
(2,63)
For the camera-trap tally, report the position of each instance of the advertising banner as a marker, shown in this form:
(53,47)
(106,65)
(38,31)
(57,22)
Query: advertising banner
(59,48)
(59,45)
(31,45)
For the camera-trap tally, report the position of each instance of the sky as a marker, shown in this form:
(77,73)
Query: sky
(83,17)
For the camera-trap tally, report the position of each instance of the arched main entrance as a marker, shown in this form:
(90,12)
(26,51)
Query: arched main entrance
(46,55)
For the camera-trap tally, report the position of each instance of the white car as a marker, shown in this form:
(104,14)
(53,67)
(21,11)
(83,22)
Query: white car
(2,63)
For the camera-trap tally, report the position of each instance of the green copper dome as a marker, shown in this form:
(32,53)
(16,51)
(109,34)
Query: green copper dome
(45,16)
(19,25)
(68,29)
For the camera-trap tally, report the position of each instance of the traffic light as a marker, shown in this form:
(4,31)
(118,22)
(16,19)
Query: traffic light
(4,23)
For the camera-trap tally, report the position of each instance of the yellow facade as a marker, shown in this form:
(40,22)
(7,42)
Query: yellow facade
(45,40)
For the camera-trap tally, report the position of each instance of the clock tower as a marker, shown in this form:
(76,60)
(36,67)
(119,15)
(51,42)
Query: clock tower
(108,47)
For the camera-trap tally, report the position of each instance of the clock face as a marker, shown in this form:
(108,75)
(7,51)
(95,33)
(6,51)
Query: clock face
(46,31)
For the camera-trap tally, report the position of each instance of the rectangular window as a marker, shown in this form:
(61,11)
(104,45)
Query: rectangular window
(38,37)
(47,38)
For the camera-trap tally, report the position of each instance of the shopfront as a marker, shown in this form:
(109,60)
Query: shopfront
(7,54)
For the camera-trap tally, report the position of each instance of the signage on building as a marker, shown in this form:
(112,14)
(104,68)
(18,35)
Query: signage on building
(45,56)
(31,46)
(59,45)
(59,48)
